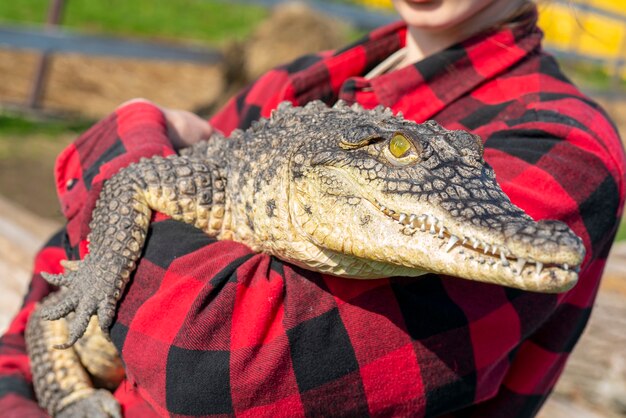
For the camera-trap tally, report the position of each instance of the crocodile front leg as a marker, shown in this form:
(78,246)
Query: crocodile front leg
(183,187)
(61,384)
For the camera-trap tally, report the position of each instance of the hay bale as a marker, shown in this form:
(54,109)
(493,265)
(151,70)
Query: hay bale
(292,30)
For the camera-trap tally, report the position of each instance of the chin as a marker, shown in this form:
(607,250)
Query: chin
(424,14)
(438,14)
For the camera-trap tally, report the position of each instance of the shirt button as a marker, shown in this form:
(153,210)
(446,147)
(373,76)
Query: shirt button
(69,185)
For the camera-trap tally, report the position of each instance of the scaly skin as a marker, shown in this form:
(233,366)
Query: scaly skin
(342,190)
(320,187)
(62,385)
(186,188)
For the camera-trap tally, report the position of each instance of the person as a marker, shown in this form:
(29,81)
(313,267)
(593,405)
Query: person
(209,328)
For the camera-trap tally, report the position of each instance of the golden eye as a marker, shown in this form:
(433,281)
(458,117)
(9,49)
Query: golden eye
(399,145)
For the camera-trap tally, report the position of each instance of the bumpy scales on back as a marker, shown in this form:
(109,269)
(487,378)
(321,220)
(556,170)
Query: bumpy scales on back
(341,190)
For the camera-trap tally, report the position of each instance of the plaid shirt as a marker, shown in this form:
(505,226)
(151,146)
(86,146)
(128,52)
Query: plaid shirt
(208,328)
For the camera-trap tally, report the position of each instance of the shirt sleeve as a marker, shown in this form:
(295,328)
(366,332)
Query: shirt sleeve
(132,132)
(560,159)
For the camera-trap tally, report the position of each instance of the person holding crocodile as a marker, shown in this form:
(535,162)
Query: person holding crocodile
(209,328)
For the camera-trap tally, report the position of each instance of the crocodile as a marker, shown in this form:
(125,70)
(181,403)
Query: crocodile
(73,382)
(341,190)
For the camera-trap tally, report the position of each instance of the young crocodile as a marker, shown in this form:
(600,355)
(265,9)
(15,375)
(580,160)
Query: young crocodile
(341,190)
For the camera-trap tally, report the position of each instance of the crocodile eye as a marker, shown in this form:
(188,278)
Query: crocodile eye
(399,145)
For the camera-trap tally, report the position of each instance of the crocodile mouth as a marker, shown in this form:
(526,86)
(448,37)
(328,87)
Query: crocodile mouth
(433,244)
(470,249)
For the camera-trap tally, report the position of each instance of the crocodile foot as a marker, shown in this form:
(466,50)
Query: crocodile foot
(99,404)
(90,291)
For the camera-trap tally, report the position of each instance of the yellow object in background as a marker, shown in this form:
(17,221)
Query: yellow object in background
(594,28)
(586,31)
(381,4)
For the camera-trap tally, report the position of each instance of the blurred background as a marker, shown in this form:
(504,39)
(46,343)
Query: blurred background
(66,63)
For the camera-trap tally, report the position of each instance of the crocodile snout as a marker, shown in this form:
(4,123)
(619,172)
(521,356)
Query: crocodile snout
(545,241)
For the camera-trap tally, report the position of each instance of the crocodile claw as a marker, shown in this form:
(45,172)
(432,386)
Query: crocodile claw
(61,306)
(57,279)
(87,294)
(76,328)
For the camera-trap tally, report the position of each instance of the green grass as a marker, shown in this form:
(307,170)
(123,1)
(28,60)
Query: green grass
(591,75)
(205,20)
(16,126)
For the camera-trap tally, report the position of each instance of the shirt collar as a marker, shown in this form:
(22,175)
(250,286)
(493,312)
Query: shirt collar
(423,89)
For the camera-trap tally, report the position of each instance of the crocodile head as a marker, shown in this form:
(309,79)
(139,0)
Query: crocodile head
(375,195)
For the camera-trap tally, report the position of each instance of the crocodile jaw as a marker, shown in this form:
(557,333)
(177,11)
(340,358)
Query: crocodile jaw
(360,236)
(475,255)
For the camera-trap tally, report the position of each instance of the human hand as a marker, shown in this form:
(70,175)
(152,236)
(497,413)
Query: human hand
(183,127)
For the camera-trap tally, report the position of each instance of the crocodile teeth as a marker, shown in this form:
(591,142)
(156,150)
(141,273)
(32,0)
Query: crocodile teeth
(436,227)
(538,268)
(453,240)
(505,262)
(565,266)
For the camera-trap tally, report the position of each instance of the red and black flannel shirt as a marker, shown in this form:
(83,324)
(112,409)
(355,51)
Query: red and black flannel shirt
(209,328)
